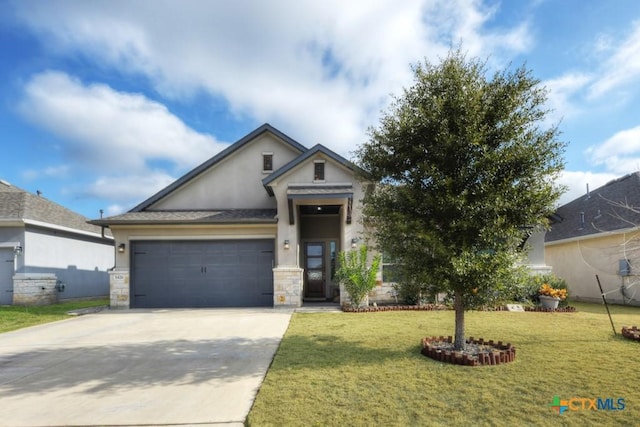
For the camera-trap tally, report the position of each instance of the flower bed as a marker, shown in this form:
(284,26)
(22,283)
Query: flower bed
(375,308)
(432,307)
(631,332)
(567,309)
(476,353)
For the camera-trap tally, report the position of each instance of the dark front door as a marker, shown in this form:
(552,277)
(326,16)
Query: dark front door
(314,270)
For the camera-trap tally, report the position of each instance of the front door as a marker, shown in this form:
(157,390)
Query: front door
(314,274)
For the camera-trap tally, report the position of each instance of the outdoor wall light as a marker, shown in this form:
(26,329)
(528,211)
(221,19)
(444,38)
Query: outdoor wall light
(286,244)
(121,247)
(354,242)
(17,250)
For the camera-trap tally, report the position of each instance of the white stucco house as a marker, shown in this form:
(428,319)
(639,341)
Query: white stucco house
(259,224)
(49,253)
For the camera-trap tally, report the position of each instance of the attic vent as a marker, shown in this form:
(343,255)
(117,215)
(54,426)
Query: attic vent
(581,220)
(5,182)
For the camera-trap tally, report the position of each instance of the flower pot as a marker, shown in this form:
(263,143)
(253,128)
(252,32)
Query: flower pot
(549,302)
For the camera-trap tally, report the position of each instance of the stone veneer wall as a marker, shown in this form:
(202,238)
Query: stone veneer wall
(287,287)
(35,289)
(119,290)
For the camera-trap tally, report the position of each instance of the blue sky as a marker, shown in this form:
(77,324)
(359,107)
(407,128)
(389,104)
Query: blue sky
(103,103)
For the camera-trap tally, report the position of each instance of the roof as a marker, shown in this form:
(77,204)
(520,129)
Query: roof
(217,158)
(612,207)
(219,216)
(302,158)
(18,205)
(319,191)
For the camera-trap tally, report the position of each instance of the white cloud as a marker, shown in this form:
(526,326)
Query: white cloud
(577,182)
(622,67)
(562,93)
(620,154)
(111,131)
(48,172)
(130,187)
(322,69)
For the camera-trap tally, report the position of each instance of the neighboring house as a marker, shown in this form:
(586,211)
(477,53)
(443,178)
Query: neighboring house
(49,253)
(598,234)
(259,224)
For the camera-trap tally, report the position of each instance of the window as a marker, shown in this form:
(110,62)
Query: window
(390,269)
(267,162)
(318,170)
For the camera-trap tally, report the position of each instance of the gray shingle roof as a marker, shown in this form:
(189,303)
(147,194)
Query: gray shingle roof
(222,216)
(20,205)
(601,211)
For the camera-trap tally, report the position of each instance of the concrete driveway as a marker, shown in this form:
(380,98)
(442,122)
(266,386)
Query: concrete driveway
(138,367)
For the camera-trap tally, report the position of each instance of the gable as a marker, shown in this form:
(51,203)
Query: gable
(303,169)
(230,180)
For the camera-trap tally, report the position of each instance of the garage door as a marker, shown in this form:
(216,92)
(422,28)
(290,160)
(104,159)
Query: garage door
(6,276)
(224,273)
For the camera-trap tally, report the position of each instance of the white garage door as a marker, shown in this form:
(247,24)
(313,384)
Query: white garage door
(6,276)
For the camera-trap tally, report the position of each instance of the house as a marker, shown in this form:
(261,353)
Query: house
(259,224)
(598,234)
(47,252)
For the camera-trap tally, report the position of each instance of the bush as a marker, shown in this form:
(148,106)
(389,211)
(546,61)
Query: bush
(353,273)
(413,292)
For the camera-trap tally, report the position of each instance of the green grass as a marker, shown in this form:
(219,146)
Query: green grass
(366,369)
(17,317)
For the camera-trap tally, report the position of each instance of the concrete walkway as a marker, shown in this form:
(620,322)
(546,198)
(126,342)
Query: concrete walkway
(151,367)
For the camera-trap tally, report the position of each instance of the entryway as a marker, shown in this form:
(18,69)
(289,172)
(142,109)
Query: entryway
(320,229)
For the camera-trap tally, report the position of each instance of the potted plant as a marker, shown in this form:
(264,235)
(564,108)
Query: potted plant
(550,297)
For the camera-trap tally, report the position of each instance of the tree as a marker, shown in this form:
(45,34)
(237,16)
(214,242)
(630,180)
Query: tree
(462,163)
(353,272)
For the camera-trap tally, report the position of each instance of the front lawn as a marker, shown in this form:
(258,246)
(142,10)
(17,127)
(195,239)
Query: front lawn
(17,317)
(366,369)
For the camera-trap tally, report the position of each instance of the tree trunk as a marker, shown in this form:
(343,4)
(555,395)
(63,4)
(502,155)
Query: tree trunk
(458,305)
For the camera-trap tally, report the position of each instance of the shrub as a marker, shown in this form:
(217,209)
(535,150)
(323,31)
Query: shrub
(353,273)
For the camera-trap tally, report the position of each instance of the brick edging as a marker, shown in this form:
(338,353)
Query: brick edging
(503,353)
(631,332)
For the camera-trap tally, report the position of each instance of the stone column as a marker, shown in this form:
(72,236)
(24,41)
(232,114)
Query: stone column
(119,289)
(287,287)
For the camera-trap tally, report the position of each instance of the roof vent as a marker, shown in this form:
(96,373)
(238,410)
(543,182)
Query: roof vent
(581,221)
(2,181)
(588,192)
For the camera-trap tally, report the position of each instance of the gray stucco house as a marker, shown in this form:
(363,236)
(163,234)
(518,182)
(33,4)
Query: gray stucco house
(49,253)
(259,224)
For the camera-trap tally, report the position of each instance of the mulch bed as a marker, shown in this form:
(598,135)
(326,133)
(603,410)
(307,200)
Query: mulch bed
(631,332)
(476,353)
(433,307)
(374,308)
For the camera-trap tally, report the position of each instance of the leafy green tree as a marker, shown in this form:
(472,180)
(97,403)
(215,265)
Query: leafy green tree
(355,273)
(461,161)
